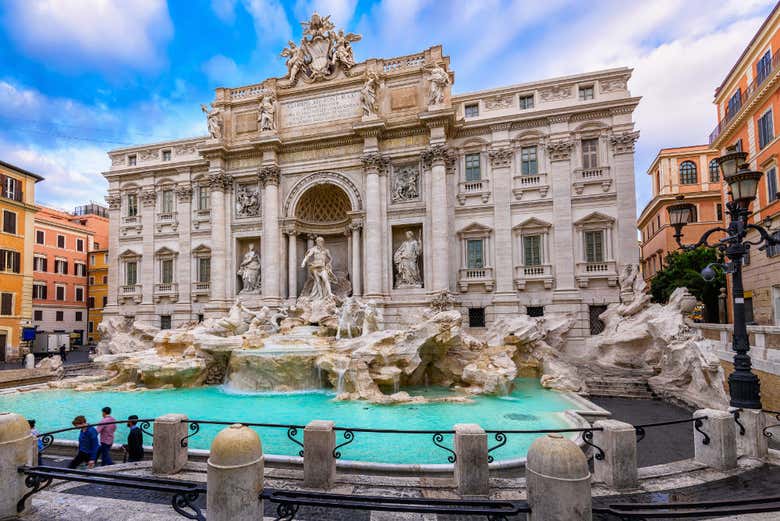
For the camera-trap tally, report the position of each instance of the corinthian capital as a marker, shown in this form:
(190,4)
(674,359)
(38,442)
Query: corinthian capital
(624,143)
(114,200)
(560,150)
(374,161)
(148,198)
(435,154)
(219,181)
(500,157)
(184,192)
(269,175)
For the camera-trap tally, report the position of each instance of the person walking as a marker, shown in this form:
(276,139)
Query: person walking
(63,353)
(37,435)
(106,428)
(88,444)
(135,440)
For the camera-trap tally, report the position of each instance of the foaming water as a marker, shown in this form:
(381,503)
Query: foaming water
(527,407)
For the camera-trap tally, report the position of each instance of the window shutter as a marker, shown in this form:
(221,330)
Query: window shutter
(17,262)
(17,190)
(2,185)
(2,260)
(45,264)
(65,267)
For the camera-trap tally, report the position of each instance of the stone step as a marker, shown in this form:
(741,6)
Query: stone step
(618,387)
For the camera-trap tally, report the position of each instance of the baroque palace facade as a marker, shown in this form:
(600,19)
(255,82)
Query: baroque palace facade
(517,199)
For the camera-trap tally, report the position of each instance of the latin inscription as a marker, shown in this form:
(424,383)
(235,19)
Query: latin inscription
(318,110)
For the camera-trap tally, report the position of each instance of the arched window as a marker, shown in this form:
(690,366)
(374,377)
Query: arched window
(714,171)
(688,173)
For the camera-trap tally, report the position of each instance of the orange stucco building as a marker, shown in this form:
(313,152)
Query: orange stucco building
(17,210)
(689,171)
(747,105)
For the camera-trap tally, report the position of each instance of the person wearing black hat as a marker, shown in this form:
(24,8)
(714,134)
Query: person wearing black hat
(135,440)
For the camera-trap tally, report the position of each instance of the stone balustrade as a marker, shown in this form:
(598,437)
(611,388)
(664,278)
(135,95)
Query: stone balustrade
(541,273)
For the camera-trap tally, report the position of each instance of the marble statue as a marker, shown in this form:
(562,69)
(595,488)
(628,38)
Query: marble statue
(214,121)
(406,262)
(266,116)
(348,317)
(342,48)
(368,95)
(296,58)
(439,81)
(320,265)
(247,202)
(249,271)
(372,318)
(405,184)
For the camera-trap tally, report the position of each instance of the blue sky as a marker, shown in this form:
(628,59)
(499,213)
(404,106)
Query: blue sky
(80,77)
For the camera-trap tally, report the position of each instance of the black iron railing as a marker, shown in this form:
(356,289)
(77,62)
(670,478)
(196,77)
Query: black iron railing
(698,424)
(194,428)
(47,438)
(587,437)
(766,429)
(736,413)
(437,437)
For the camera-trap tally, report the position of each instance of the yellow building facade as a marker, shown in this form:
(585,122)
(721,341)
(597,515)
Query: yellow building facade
(17,211)
(97,283)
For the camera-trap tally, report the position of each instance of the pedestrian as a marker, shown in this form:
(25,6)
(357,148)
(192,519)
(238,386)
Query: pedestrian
(63,353)
(135,440)
(88,444)
(37,435)
(106,428)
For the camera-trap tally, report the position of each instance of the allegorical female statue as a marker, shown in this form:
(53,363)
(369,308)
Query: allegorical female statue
(406,265)
(320,270)
(439,81)
(249,271)
(213,120)
(267,111)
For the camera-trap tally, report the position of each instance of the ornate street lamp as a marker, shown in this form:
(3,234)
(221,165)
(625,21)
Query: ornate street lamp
(744,386)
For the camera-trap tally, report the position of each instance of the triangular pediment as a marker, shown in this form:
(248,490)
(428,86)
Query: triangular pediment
(165,252)
(532,222)
(201,249)
(475,228)
(594,218)
(129,253)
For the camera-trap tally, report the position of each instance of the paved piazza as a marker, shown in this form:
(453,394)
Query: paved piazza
(513,199)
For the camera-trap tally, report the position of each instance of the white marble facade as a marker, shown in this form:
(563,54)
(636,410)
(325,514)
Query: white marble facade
(521,198)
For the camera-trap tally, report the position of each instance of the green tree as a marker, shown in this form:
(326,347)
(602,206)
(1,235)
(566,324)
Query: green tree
(683,268)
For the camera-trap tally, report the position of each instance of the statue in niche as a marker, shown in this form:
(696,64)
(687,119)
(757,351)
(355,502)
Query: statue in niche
(342,48)
(214,121)
(249,271)
(405,184)
(368,95)
(266,117)
(247,202)
(406,263)
(320,265)
(439,81)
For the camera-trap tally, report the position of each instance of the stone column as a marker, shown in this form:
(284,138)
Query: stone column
(357,288)
(17,447)
(721,451)
(168,455)
(618,469)
(219,185)
(437,156)
(373,163)
(114,201)
(319,465)
(623,176)
(292,263)
(471,460)
(558,480)
(563,259)
(185,267)
(148,200)
(753,443)
(271,235)
(235,475)
(501,188)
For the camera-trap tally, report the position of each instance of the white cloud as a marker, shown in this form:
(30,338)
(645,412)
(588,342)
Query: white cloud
(78,34)
(341,11)
(221,69)
(270,20)
(225,10)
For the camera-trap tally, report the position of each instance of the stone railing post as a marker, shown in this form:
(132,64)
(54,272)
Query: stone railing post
(753,443)
(17,448)
(319,464)
(618,469)
(471,460)
(235,475)
(168,456)
(558,480)
(721,432)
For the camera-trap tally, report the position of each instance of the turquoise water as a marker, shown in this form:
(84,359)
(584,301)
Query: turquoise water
(529,406)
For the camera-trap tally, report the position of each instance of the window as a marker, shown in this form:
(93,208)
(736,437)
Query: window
(204,269)
(719,211)
(40,238)
(7,304)
(38,315)
(9,222)
(771,251)
(735,103)
(688,173)
(166,271)
(590,153)
(476,317)
(166,201)
(59,292)
(166,155)
(594,246)
(105,279)
(79,244)
(12,189)
(528,161)
(131,160)
(91,302)
(40,290)
(203,198)
(132,205)
(79,294)
(526,102)
(40,263)
(534,311)
(473,172)
(79,269)
(90,328)
(771,184)
(10,261)
(60,267)
(60,316)
(91,260)
(61,241)
(471,111)
(475,255)
(105,301)
(92,281)
(532,250)
(79,316)
(165,321)
(714,171)
(763,67)
(586,92)
(131,273)
(596,324)
(766,129)
(200,318)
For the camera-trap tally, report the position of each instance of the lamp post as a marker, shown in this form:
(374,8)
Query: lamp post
(744,386)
